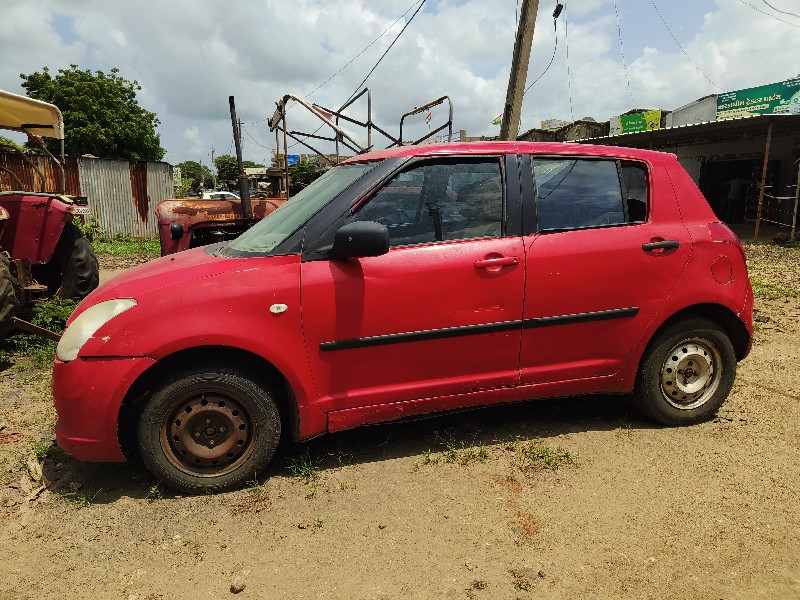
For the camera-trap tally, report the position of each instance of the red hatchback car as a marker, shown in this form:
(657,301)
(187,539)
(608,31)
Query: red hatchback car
(409,281)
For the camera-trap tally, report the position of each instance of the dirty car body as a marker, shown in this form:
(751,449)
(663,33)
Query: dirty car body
(405,282)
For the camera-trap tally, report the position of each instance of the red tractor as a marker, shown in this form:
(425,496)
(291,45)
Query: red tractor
(42,252)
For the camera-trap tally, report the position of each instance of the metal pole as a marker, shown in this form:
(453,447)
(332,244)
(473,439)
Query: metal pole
(244,188)
(763,182)
(285,155)
(509,127)
(796,198)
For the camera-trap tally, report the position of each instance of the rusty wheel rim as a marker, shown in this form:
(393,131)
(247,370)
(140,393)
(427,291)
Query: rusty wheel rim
(208,433)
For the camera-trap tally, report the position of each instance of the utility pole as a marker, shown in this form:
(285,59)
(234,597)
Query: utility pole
(509,127)
(213,167)
(244,188)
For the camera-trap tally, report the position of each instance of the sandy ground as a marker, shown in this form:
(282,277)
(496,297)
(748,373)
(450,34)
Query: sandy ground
(459,506)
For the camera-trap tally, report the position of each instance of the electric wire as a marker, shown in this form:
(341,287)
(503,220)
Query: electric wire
(689,58)
(352,60)
(783,12)
(622,53)
(569,78)
(255,141)
(763,12)
(555,47)
(372,70)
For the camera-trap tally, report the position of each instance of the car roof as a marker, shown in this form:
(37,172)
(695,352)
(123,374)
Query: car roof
(496,147)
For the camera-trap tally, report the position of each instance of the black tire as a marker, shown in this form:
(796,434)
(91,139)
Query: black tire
(73,271)
(9,301)
(687,373)
(209,429)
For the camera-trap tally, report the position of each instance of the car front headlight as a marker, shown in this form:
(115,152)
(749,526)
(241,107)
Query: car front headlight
(87,323)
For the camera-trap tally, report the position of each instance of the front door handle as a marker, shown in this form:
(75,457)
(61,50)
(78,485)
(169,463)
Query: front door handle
(663,245)
(495,263)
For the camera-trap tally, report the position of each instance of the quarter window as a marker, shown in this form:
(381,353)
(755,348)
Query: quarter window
(439,201)
(575,193)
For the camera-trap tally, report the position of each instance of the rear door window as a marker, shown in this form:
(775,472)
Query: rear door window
(576,193)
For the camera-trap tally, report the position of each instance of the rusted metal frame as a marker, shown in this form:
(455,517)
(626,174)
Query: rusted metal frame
(35,329)
(429,135)
(285,155)
(33,166)
(368,92)
(763,181)
(292,135)
(280,115)
(312,135)
(428,106)
(14,175)
(796,198)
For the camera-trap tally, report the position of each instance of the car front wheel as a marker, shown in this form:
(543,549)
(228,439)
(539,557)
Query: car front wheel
(687,373)
(209,429)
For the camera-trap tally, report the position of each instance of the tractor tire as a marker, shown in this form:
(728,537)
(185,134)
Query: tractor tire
(73,271)
(9,301)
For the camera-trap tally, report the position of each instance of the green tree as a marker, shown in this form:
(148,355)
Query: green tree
(4,141)
(227,168)
(301,174)
(199,174)
(101,113)
(249,164)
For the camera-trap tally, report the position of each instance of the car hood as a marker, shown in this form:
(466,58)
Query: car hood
(167,271)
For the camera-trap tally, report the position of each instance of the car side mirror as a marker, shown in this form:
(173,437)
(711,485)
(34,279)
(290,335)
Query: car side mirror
(362,238)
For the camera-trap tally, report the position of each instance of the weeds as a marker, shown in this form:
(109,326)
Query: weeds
(40,451)
(304,467)
(454,452)
(123,245)
(256,488)
(535,456)
(520,582)
(768,290)
(51,314)
(154,493)
(317,524)
(80,499)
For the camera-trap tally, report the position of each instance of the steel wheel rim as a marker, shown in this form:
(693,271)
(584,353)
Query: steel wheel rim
(207,433)
(690,373)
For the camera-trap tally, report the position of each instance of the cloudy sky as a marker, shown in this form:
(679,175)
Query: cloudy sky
(190,55)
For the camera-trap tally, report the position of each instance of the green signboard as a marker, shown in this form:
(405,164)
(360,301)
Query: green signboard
(633,123)
(781,98)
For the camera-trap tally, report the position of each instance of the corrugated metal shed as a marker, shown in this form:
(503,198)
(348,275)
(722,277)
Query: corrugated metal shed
(122,194)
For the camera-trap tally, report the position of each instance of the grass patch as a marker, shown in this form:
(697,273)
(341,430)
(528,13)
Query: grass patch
(51,314)
(768,290)
(454,452)
(535,456)
(80,499)
(123,245)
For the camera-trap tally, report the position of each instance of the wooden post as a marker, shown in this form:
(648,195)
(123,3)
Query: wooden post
(763,182)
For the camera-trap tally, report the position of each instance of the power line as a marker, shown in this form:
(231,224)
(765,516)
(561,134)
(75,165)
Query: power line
(783,12)
(622,53)
(255,140)
(763,12)
(372,70)
(689,58)
(569,78)
(555,47)
(352,60)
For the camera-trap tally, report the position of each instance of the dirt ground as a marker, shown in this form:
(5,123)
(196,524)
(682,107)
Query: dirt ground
(562,499)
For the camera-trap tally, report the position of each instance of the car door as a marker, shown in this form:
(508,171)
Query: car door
(597,267)
(440,313)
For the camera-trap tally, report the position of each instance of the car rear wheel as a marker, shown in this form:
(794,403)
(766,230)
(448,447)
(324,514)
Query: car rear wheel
(687,373)
(9,301)
(209,429)
(73,271)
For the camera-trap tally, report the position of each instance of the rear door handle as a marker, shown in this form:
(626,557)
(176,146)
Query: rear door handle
(494,263)
(663,245)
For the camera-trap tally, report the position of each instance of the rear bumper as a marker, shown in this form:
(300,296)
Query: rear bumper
(88,395)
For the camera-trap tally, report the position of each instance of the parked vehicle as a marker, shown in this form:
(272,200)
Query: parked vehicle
(185,223)
(42,252)
(409,281)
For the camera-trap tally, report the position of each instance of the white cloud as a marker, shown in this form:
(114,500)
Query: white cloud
(189,56)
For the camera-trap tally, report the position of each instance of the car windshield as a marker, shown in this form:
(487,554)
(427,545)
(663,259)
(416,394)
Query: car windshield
(279,225)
